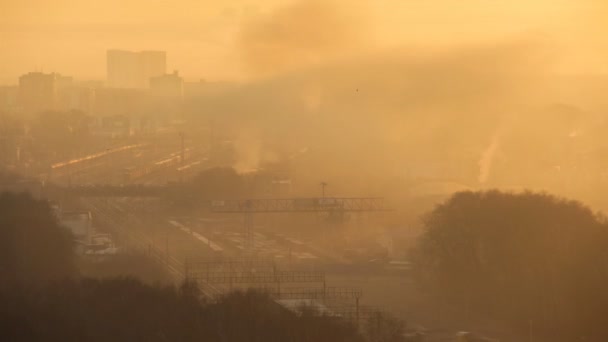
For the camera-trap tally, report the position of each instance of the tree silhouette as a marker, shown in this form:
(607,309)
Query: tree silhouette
(34,248)
(526,257)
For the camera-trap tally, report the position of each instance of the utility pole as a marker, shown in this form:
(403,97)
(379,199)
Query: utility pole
(182,157)
(110,161)
(167,249)
(183,153)
(211,138)
(323,185)
(530,335)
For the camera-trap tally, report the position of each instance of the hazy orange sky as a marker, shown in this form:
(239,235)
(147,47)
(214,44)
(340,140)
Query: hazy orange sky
(240,39)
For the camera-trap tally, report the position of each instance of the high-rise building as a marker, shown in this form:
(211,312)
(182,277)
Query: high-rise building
(38,91)
(128,69)
(121,69)
(152,64)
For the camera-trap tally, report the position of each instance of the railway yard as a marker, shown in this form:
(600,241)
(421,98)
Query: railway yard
(247,244)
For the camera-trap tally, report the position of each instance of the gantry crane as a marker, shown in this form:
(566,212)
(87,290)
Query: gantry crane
(332,205)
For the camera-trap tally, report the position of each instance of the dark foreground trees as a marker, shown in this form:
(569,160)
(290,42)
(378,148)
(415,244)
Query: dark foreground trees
(34,249)
(42,298)
(124,309)
(538,261)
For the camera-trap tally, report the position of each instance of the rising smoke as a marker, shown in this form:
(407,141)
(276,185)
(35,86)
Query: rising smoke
(425,113)
(487,157)
(302,34)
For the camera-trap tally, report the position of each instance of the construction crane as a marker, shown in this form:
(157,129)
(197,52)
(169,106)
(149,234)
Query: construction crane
(336,206)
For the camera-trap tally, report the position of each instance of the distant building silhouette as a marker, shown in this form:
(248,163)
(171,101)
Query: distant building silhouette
(9,96)
(38,91)
(169,85)
(203,88)
(128,69)
(77,97)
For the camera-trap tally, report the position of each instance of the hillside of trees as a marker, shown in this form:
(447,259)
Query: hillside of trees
(34,248)
(44,298)
(534,260)
(124,309)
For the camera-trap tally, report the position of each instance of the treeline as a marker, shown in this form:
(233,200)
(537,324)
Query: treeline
(43,297)
(34,248)
(124,309)
(533,260)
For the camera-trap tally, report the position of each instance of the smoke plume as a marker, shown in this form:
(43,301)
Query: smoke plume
(487,157)
(308,32)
